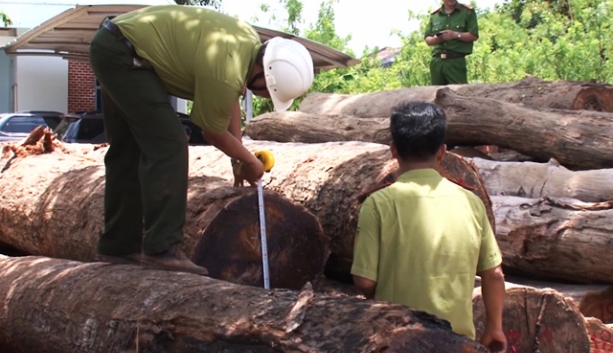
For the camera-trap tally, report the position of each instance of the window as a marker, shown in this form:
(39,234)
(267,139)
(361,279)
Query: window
(23,124)
(98,97)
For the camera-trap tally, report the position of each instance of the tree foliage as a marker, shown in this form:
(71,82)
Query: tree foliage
(550,39)
(6,21)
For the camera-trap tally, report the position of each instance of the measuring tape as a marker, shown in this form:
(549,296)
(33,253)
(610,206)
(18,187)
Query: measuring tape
(268,162)
(263,241)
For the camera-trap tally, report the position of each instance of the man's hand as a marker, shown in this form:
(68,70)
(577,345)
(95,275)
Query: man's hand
(493,291)
(251,172)
(494,340)
(448,35)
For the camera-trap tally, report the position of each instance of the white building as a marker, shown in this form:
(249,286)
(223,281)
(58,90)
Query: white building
(48,82)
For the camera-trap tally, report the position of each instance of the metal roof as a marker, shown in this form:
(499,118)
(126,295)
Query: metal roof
(69,34)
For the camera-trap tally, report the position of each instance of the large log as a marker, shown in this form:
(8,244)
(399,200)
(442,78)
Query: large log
(598,304)
(52,205)
(559,238)
(577,139)
(52,305)
(601,335)
(530,92)
(328,179)
(534,180)
(537,320)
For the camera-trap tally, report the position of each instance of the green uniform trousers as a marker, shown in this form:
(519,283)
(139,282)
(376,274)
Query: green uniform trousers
(145,195)
(447,71)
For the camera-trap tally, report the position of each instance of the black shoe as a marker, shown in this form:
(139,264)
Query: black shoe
(130,259)
(173,260)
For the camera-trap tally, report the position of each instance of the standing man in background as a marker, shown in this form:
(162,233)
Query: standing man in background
(451,32)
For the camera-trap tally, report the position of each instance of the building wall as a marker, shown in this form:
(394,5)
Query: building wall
(6,72)
(81,86)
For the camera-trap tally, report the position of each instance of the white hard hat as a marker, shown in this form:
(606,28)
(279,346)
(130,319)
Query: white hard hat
(288,68)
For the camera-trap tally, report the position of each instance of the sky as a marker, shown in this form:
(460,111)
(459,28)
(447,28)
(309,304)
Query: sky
(368,24)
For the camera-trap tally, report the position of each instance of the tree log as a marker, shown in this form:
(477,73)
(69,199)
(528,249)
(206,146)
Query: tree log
(577,139)
(536,320)
(61,306)
(328,179)
(313,128)
(530,92)
(52,205)
(601,336)
(534,180)
(560,238)
(599,305)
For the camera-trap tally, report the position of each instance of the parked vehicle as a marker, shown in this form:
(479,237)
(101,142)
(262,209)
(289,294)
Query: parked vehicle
(17,126)
(88,127)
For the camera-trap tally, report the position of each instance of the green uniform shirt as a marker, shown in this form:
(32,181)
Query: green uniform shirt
(199,54)
(462,19)
(422,239)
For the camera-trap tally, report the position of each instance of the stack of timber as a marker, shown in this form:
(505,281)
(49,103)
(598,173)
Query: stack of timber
(552,219)
(51,204)
(328,179)
(578,139)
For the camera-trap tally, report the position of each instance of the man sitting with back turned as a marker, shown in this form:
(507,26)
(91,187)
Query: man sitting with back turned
(422,239)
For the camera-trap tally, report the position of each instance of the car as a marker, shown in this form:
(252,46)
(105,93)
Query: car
(18,125)
(88,127)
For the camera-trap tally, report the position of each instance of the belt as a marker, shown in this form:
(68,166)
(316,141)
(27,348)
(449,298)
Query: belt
(449,55)
(113,28)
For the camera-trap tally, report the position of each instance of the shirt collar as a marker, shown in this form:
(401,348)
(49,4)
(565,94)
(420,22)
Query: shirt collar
(457,8)
(419,174)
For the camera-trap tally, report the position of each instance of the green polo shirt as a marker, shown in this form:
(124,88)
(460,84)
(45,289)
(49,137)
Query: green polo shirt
(199,54)
(423,239)
(462,19)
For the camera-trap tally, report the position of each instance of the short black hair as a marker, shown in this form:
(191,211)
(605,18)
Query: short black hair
(418,130)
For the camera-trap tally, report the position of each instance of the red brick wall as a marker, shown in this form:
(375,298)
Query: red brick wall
(81,86)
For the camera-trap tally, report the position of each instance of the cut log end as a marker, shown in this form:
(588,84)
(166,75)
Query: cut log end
(597,98)
(230,247)
(598,305)
(537,321)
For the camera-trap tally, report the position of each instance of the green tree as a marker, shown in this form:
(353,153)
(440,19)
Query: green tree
(6,21)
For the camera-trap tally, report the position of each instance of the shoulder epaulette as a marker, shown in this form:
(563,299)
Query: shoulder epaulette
(467,6)
(436,11)
(462,184)
(363,196)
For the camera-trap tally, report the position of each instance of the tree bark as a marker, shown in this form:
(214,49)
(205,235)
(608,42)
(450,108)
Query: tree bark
(560,238)
(530,92)
(598,304)
(577,139)
(328,180)
(601,336)
(313,128)
(537,320)
(61,306)
(52,205)
(534,180)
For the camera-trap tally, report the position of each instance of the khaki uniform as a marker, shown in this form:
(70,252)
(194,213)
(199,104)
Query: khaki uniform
(448,64)
(189,52)
(422,239)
